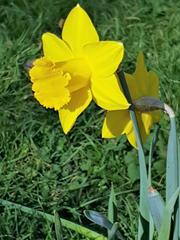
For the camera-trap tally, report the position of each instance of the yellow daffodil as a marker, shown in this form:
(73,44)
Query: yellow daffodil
(76,69)
(141,84)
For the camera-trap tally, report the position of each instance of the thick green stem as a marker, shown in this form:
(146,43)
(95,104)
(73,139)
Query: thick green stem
(145,104)
(143,230)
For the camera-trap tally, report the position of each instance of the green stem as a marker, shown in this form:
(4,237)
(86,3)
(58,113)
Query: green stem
(143,226)
(151,151)
(149,103)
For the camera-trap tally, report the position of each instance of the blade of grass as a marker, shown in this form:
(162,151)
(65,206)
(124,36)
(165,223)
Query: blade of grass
(113,231)
(112,212)
(112,206)
(65,223)
(143,228)
(58,226)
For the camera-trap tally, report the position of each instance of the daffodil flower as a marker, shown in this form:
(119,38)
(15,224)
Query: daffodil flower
(76,69)
(141,84)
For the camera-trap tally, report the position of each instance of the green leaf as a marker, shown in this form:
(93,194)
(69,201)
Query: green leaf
(133,172)
(160,166)
(58,227)
(132,166)
(98,218)
(113,231)
(167,217)
(179,185)
(157,206)
(112,206)
(112,214)
(151,228)
(172,162)
(172,173)
(102,221)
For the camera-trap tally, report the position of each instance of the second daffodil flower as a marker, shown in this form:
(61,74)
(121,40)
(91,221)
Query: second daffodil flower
(76,69)
(141,84)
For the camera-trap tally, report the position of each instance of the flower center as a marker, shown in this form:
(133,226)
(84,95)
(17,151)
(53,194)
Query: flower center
(80,73)
(50,84)
(53,83)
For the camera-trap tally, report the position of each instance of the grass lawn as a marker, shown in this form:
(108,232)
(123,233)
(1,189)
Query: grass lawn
(43,169)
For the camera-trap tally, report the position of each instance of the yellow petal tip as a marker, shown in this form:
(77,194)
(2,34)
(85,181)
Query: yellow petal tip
(65,131)
(120,43)
(44,35)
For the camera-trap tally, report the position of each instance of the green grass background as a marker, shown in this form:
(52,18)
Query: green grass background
(42,168)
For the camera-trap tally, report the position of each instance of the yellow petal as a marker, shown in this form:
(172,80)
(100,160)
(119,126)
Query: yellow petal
(148,118)
(55,49)
(104,57)
(50,85)
(116,123)
(78,30)
(142,83)
(80,73)
(108,94)
(132,85)
(69,113)
(147,121)
(131,138)
(141,76)
(153,84)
